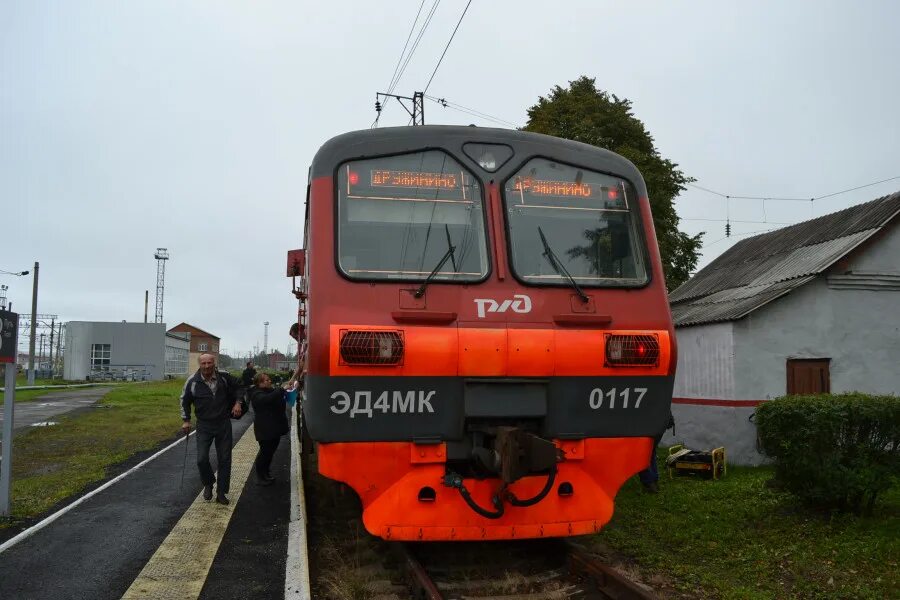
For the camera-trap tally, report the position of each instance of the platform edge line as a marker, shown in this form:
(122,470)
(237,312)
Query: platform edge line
(296,571)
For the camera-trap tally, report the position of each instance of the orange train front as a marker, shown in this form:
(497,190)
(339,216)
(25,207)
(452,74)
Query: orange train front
(490,345)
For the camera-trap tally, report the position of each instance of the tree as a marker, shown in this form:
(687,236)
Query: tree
(585,114)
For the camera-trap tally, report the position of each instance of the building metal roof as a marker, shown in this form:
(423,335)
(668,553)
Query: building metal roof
(760,269)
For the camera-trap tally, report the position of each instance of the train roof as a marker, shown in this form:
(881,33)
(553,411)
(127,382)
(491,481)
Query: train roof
(366,143)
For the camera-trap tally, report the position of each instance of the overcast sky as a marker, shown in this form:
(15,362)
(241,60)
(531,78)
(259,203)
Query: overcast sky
(125,126)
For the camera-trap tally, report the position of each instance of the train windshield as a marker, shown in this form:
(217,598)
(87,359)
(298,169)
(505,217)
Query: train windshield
(571,224)
(404,217)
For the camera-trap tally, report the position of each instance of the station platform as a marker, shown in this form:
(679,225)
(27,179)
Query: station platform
(141,535)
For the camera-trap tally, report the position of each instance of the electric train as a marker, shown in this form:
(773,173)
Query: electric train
(490,351)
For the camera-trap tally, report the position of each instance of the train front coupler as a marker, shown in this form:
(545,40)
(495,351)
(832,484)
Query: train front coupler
(514,454)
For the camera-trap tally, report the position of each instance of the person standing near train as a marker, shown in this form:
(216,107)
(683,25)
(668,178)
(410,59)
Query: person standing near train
(213,394)
(269,424)
(248,375)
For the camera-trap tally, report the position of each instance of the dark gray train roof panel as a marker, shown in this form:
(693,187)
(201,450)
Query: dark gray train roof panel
(760,269)
(399,140)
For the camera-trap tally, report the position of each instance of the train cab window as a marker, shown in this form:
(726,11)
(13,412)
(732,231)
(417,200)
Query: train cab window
(402,217)
(564,220)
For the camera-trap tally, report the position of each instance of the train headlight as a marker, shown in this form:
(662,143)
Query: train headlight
(632,350)
(369,347)
(489,157)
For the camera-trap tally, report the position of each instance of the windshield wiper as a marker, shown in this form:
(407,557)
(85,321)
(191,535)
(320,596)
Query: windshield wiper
(448,254)
(560,269)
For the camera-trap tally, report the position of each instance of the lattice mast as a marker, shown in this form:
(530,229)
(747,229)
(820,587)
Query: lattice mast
(161,256)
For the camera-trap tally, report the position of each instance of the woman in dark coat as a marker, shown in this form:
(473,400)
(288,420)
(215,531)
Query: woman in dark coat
(269,424)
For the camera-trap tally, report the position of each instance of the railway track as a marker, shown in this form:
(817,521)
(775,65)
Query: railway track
(348,563)
(535,570)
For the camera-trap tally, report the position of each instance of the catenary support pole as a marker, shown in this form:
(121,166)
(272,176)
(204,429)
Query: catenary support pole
(9,397)
(34,293)
(52,332)
(58,347)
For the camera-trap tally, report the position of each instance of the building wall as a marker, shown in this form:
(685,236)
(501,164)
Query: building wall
(849,315)
(137,345)
(201,343)
(858,329)
(707,411)
(177,354)
(705,361)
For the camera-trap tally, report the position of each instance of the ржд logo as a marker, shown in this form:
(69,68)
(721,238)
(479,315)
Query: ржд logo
(520,303)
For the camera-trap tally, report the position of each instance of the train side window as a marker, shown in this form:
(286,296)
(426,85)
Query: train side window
(401,217)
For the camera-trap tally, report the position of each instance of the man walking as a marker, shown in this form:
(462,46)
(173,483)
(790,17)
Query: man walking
(248,375)
(213,394)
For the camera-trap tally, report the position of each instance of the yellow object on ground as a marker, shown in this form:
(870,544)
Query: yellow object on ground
(683,461)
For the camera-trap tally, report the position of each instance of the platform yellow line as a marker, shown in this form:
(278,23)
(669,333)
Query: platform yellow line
(178,568)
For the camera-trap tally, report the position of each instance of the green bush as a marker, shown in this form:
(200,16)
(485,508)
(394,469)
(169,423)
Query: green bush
(833,451)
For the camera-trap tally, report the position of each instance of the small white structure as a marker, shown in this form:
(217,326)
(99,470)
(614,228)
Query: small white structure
(178,350)
(810,308)
(114,351)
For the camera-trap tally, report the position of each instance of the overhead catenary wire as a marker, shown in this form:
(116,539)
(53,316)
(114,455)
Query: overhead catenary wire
(471,111)
(415,46)
(789,199)
(450,41)
(764,199)
(400,58)
(405,45)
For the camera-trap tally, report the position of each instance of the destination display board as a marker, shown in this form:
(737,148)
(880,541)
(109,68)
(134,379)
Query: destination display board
(561,186)
(428,176)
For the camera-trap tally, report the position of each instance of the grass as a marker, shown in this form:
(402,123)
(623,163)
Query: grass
(53,463)
(28,395)
(31,395)
(22,380)
(738,538)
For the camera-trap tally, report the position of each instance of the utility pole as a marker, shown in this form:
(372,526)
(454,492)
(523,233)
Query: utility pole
(146,303)
(34,296)
(58,346)
(266,343)
(416,109)
(52,331)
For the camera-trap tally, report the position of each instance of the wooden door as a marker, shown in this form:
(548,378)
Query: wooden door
(808,376)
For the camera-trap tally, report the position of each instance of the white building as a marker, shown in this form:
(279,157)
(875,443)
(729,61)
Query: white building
(178,349)
(810,308)
(114,351)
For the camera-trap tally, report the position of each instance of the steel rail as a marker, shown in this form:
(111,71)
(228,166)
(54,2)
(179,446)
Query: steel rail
(419,577)
(607,582)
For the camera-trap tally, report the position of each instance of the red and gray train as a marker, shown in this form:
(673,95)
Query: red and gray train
(490,351)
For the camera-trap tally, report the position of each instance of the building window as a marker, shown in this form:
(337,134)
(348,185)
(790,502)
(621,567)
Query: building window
(100,355)
(808,376)
(203,347)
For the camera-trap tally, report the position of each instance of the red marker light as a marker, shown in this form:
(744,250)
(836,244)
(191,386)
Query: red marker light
(612,194)
(641,350)
(354,178)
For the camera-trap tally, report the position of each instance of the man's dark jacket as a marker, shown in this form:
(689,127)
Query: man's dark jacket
(271,421)
(247,376)
(208,406)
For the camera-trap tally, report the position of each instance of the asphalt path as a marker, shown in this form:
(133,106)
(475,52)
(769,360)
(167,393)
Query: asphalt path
(53,404)
(96,550)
